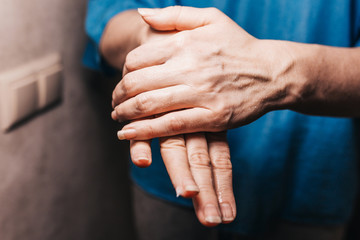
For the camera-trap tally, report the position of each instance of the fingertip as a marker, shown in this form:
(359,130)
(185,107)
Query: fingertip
(212,215)
(179,191)
(113,115)
(126,134)
(142,163)
(140,152)
(190,191)
(189,194)
(212,221)
(209,216)
(227,213)
(148,12)
(189,187)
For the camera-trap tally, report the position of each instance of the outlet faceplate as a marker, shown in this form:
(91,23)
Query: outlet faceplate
(29,88)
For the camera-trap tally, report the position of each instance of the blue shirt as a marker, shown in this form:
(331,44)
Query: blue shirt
(285,165)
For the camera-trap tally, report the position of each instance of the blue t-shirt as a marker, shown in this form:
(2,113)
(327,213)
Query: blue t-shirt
(286,165)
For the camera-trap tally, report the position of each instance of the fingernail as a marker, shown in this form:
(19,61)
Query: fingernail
(126,134)
(212,214)
(226,212)
(192,188)
(148,12)
(142,162)
(179,191)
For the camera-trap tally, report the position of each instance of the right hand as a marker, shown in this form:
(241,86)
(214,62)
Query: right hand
(211,77)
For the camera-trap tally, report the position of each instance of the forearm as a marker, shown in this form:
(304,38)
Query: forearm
(122,34)
(329,78)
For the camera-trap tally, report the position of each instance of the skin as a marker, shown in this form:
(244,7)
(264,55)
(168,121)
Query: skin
(231,78)
(198,164)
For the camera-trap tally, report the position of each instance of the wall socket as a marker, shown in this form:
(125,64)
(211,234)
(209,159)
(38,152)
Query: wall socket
(29,88)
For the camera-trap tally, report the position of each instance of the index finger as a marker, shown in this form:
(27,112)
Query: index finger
(169,124)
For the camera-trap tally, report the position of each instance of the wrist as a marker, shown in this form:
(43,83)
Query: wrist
(293,72)
(319,80)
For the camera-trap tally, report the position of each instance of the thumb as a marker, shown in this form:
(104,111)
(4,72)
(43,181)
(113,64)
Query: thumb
(177,17)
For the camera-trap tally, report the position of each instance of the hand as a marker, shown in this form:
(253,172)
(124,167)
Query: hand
(210,76)
(199,167)
(208,182)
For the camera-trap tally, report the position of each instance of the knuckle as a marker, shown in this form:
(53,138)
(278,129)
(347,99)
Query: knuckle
(131,61)
(147,131)
(119,112)
(176,125)
(118,93)
(199,159)
(180,40)
(177,11)
(219,122)
(114,94)
(221,160)
(172,142)
(141,102)
(222,116)
(127,83)
(207,189)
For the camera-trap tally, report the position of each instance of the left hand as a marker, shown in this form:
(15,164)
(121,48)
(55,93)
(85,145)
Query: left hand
(199,168)
(209,77)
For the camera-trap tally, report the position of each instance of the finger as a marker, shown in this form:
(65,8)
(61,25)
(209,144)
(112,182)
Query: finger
(143,80)
(140,152)
(222,173)
(206,202)
(113,104)
(173,152)
(155,102)
(173,123)
(178,18)
(149,54)
(124,71)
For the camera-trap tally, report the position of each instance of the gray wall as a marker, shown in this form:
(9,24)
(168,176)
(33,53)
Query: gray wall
(63,174)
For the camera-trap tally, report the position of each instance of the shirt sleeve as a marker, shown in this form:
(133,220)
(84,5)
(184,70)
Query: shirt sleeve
(357,41)
(357,23)
(99,13)
(357,44)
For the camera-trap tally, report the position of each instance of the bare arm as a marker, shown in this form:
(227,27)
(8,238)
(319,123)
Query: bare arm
(328,79)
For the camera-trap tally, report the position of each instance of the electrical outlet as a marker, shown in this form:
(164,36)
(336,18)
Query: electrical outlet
(29,88)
